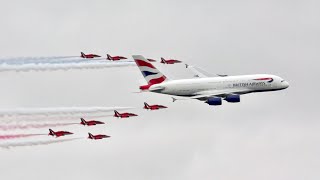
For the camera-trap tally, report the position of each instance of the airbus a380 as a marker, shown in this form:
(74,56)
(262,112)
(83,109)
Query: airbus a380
(212,90)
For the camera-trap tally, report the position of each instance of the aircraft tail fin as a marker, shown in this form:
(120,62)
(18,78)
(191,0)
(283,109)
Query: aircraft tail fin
(151,74)
(83,121)
(163,60)
(109,57)
(146,105)
(82,54)
(116,113)
(51,132)
(90,136)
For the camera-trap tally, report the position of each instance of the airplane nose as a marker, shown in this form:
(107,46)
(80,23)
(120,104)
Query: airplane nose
(286,84)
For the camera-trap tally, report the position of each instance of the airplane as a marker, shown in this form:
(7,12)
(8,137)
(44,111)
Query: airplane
(169,61)
(90,123)
(123,115)
(211,90)
(99,136)
(88,56)
(115,58)
(153,107)
(151,60)
(58,133)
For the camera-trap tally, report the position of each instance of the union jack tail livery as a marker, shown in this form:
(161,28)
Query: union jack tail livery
(149,72)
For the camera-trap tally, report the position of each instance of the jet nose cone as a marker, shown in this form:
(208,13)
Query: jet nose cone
(285,84)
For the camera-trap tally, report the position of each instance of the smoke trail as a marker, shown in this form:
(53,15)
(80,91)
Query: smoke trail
(31,58)
(60,114)
(33,126)
(41,61)
(64,66)
(15,136)
(34,143)
(58,110)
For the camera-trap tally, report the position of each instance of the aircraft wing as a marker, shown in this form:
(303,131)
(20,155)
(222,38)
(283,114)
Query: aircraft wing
(204,95)
(199,72)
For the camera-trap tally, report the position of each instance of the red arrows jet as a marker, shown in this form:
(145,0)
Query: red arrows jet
(115,58)
(123,115)
(151,60)
(153,107)
(58,133)
(90,123)
(99,136)
(88,56)
(169,61)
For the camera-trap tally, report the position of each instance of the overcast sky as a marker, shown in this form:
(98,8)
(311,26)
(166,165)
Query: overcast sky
(267,136)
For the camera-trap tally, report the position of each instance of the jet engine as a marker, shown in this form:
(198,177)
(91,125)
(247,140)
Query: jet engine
(214,101)
(233,98)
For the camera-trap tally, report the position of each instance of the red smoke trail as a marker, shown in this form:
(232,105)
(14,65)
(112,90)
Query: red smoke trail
(15,136)
(33,126)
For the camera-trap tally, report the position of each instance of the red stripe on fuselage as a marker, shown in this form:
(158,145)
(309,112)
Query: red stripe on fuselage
(143,63)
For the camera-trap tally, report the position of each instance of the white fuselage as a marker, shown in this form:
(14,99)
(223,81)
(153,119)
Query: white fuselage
(226,85)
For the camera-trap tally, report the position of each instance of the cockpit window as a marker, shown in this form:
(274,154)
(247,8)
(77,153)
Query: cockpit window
(282,80)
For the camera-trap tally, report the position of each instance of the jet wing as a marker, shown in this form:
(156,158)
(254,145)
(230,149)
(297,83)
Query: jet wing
(204,95)
(199,72)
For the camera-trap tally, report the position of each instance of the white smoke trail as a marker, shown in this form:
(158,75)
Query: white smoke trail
(35,57)
(8,145)
(9,127)
(55,114)
(24,60)
(64,66)
(31,58)
(58,110)
(21,61)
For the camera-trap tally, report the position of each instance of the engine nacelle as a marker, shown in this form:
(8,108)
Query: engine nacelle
(233,98)
(214,101)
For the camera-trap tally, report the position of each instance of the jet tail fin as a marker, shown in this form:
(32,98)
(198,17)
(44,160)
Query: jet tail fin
(83,121)
(51,132)
(90,136)
(163,60)
(109,57)
(151,74)
(146,105)
(116,113)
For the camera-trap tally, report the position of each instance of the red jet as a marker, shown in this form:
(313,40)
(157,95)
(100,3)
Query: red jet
(90,123)
(58,133)
(88,56)
(99,136)
(115,58)
(123,115)
(169,61)
(151,60)
(153,107)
